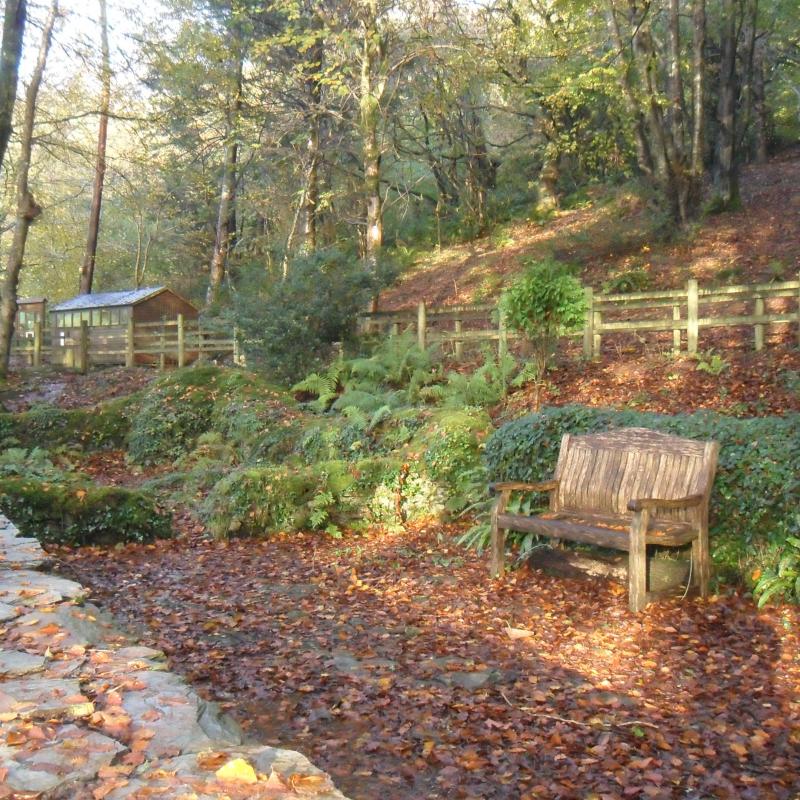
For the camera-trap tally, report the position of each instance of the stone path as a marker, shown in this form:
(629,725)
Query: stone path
(86,714)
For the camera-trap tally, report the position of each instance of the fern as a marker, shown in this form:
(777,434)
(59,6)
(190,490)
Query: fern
(381,415)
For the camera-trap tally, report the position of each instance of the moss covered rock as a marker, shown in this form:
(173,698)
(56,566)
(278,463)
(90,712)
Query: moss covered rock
(78,513)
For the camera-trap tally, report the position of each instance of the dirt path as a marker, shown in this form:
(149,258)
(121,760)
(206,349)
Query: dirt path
(388,661)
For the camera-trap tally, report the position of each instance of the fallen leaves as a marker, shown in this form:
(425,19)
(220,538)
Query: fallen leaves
(238,771)
(351,653)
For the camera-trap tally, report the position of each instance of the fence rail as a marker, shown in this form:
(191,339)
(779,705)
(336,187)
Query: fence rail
(691,309)
(165,343)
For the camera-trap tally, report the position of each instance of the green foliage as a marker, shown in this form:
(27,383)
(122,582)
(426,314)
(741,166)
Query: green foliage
(783,579)
(757,488)
(17,462)
(175,411)
(546,301)
(105,426)
(711,362)
(633,280)
(75,513)
(290,325)
(452,445)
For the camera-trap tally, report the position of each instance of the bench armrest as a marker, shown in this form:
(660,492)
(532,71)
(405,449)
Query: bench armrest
(520,486)
(652,503)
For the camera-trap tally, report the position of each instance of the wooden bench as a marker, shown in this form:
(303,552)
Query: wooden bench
(624,489)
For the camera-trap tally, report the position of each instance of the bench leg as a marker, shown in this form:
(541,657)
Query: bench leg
(637,562)
(498,551)
(499,536)
(702,562)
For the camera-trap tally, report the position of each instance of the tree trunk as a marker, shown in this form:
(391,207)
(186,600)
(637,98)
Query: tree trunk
(226,218)
(644,156)
(674,80)
(13,34)
(27,209)
(726,179)
(698,93)
(314,95)
(744,139)
(373,83)
(87,268)
(761,114)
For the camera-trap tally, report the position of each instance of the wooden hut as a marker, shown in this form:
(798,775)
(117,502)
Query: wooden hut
(30,310)
(107,315)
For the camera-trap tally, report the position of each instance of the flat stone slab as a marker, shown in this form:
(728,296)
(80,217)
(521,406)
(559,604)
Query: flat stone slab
(263,772)
(14,663)
(16,550)
(179,720)
(8,612)
(73,755)
(63,627)
(43,698)
(27,588)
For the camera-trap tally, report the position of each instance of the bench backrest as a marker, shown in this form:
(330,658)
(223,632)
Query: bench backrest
(602,472)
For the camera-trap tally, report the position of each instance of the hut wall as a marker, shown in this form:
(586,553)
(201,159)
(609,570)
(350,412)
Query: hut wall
(165,305)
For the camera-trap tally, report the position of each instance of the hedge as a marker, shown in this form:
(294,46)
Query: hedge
(757,489)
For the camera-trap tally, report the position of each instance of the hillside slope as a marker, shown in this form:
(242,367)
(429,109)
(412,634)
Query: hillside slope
(613,234)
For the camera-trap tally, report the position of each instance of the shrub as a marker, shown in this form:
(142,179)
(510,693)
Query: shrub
(80,514)
(781,580)
(291,324)
(452,447)
(105,426)
(756,491)
(257,500)
(546,301)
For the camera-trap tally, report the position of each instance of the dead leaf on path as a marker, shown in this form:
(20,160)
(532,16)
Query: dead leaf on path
(308,784)
(237,771)
(212,761)
(519,633)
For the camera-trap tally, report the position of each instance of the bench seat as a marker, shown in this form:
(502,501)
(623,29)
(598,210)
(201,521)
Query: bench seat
(603,530)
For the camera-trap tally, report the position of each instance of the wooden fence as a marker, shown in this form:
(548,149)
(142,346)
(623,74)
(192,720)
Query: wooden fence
(691,310)
(166,343)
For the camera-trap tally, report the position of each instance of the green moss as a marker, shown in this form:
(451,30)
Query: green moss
(101,427)
(78,514)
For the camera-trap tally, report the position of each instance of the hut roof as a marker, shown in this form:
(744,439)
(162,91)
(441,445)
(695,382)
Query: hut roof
(26,301)
(129,297)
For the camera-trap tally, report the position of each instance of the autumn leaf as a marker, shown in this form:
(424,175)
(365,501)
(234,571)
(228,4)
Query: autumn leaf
(237,771)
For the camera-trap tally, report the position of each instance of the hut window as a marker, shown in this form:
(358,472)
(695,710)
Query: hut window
(105,316)
(115,316)
(124,314)
(95,317)
(86,316)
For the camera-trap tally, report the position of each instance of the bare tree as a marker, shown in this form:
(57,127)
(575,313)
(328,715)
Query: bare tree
(89,258)
(27,207)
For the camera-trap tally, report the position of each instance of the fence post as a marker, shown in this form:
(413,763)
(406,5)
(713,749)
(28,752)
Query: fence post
(37,343)
(676,332)
(459,343)
(422,326)
(182,343)
(162,354)
(692,308)
(83,347)
(502,331)
(758,328)
(597,339)
(130,343)
(588,329)
(394,329)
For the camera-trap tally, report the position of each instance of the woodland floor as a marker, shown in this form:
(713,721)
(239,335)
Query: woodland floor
(394,663)
(609,236)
